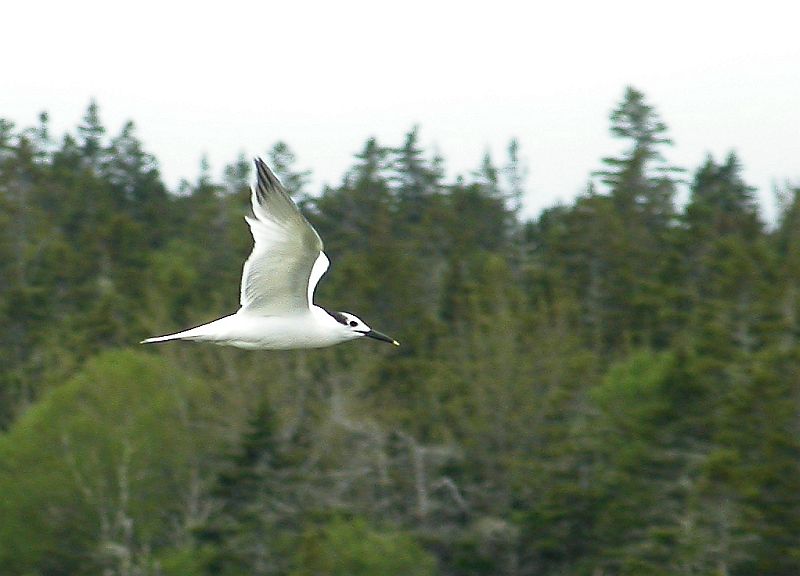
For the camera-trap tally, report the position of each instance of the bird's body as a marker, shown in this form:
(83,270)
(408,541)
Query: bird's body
(315,329)
(278,281)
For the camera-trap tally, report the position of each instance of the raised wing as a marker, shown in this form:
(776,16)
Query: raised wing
(277,277)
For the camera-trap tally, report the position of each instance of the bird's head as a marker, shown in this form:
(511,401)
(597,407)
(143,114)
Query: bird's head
(357,328)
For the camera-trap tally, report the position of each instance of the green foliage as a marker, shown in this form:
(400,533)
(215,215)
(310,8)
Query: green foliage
(252,495)
(610,387)
(354,548)
(634,392)
(92,477)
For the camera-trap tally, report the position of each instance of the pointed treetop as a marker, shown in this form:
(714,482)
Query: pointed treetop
(640,175)
(372,160)
(91,132)
(636,120)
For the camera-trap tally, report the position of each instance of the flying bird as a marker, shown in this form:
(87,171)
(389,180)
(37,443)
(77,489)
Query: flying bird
(278,281)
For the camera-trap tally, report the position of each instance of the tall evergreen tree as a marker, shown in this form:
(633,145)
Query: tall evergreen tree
(514,174)
(90,137)
(256,503)
(721,203)
(415,178)
(727,268)
(639,178)
(788,246)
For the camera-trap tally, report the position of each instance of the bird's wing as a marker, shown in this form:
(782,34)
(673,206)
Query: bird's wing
(287,260)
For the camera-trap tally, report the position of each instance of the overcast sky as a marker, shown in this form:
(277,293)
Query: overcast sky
(225,77)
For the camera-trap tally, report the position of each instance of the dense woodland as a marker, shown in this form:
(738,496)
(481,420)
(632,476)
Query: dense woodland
(610,388)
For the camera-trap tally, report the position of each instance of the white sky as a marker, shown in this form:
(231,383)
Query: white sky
(225,77)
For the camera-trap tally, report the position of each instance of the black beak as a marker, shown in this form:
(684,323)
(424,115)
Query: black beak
(380,336)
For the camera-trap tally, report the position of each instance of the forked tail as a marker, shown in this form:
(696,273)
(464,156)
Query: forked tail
(160,339)
(193,334)
(207,332)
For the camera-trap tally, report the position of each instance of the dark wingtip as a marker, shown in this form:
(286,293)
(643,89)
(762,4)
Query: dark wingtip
(265,178)
(262,170)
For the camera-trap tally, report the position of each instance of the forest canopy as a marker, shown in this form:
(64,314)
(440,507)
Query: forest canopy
(610,387)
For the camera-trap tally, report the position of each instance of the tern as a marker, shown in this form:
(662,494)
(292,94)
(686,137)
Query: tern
(278,280)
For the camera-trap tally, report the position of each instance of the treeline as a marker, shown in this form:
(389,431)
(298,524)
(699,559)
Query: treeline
(610,388)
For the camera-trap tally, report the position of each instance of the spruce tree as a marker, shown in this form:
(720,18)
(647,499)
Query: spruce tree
(245,533)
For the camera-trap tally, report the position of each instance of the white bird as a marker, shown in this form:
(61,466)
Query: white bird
(278,280)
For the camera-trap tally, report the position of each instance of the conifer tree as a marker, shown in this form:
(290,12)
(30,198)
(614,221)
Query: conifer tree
(244,534)
(90,137)
(788,246)
(415,179)
(639,179)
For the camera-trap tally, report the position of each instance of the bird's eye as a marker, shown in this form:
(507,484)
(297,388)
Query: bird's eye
(353,323)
